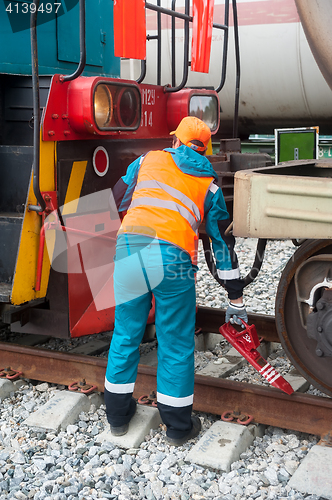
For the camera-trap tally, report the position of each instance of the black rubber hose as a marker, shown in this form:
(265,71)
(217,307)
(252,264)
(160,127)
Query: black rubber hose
(259,257)
(209,258)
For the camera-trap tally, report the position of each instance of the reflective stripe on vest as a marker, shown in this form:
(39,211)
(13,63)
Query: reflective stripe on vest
(173,192)
(171,205)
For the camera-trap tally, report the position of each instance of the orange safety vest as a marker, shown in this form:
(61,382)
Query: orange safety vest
(167,203)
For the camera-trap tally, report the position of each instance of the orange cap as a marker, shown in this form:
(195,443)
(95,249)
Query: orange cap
(192,128)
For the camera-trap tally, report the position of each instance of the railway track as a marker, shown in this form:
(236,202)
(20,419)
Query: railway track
(269,406)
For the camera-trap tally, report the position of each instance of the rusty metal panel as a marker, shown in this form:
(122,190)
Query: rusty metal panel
(292,200)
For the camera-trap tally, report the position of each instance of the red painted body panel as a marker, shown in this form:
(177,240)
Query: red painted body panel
(178,106)
(69,111)
(58,123)
(90,273)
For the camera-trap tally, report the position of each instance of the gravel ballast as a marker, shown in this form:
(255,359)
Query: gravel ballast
(72,464)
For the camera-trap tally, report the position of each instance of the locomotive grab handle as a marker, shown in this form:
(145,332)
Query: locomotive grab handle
(36,113)
(81,64)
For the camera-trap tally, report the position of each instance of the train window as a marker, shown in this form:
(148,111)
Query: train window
(205,107)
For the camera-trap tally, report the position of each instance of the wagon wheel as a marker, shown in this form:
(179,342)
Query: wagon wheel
(304,312)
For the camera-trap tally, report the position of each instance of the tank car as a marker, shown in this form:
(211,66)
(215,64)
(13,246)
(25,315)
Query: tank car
(281,84)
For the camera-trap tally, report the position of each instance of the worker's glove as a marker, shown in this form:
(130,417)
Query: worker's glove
(236,312)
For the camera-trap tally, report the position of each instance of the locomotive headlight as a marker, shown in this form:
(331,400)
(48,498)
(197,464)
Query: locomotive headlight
(205,107)
(103,106)
(202,103)
(127,106)
(116,106)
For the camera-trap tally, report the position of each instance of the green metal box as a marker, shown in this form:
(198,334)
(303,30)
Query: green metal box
(296,144)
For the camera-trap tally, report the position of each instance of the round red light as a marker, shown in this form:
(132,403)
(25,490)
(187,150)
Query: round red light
(100,161)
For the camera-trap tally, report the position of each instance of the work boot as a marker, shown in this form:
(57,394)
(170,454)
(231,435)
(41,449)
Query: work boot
(195,430)
(120,430)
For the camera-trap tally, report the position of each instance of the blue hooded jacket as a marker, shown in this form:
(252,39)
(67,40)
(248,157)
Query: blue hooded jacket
(215,212)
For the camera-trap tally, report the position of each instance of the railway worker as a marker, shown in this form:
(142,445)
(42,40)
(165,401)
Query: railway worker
(166,195)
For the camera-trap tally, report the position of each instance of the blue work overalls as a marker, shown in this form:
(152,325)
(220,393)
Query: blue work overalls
(146,266)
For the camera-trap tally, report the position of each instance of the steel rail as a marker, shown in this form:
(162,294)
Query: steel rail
(269,406)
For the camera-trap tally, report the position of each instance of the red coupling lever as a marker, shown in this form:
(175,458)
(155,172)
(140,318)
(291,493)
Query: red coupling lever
(246,343)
